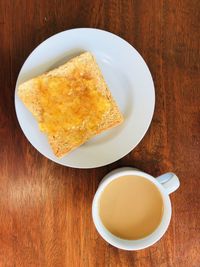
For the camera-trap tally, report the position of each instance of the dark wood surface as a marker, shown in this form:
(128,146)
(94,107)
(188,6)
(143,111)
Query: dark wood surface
(45,209)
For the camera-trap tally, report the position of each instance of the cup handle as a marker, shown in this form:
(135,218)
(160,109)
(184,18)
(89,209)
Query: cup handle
(169,181)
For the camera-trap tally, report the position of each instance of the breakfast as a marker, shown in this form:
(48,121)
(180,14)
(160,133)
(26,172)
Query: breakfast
(131,207)
(71,103)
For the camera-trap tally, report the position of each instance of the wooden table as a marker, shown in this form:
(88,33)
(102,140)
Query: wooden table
(45,208)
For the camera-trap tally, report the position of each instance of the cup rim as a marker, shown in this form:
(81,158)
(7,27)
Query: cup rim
(131,244)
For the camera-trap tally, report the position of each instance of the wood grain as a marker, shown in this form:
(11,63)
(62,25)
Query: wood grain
(45,209)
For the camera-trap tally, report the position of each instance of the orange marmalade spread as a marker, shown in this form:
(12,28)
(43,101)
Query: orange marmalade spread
(71,103)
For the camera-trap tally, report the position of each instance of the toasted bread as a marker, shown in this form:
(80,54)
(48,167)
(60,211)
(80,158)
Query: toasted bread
(71,103)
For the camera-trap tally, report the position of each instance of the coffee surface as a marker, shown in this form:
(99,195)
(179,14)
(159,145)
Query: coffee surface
(131,207)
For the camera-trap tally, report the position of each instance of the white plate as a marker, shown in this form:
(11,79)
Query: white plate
(128,78)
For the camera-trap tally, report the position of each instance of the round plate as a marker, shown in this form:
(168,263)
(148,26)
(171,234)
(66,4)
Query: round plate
(127,76)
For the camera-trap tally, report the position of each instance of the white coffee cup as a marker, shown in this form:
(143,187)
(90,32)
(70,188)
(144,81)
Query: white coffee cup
(166,184)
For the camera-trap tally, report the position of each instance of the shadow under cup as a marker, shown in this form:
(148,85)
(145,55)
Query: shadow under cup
(138,243)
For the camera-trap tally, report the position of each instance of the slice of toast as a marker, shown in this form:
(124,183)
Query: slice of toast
(71,103)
